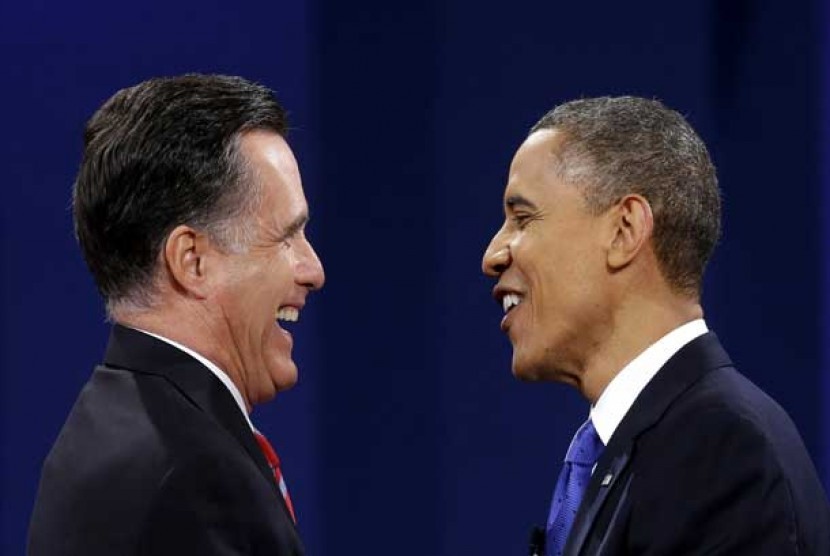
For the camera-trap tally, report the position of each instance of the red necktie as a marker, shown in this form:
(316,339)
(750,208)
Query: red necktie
(274,464)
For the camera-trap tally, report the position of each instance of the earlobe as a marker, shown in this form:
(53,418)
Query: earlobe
(632,227)
(185,254)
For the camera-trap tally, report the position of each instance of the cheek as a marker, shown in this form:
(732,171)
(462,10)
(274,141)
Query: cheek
(563,282)
(249,292)
(279,281)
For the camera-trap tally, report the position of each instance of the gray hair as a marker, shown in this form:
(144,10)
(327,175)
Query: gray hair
(614,146)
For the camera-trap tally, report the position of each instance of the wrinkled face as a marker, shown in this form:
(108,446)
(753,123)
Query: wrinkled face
(267,283)
(550,261)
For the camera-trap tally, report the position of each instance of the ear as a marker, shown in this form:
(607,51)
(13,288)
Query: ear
(186,254)
(633,222)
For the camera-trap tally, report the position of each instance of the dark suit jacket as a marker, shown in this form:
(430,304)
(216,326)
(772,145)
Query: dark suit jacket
(155,459)
(703,463)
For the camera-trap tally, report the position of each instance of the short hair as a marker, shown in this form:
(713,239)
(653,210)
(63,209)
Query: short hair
(158,155)
(614,146)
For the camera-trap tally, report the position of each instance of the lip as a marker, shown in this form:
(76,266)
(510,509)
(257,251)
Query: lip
(287,337)
(293,303)
(508,318)
(297,304)
(501,290)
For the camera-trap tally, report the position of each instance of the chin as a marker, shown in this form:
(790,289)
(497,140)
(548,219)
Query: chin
(522,371)
(274,387)
(533,369)
(524,377)
(284,377)
(277,380)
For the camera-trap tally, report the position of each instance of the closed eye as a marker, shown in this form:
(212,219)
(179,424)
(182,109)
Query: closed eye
(520,210)
(521,219)
(294,228)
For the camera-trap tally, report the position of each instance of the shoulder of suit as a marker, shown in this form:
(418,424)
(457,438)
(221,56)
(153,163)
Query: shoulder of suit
(722,413)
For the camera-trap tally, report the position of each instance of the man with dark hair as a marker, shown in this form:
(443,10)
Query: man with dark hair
(190,213)
(612,210)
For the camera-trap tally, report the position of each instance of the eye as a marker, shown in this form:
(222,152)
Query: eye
(297,239)
(521,219)
(291,236)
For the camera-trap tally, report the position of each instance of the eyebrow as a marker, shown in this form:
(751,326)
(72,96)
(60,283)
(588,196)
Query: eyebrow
(295,226)
(515,201)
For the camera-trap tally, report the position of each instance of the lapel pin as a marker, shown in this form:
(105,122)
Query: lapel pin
(607,479)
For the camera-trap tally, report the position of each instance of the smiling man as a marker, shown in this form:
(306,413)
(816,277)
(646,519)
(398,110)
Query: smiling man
(190,213)
(612,210)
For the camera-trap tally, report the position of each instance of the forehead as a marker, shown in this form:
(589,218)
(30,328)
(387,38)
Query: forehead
(273,164)
(532,171)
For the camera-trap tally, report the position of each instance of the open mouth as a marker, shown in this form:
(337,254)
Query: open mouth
(288,314)
(286,317)
(510,301)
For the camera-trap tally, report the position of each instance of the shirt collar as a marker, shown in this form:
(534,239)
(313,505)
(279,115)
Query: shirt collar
(212,367)
(624,388)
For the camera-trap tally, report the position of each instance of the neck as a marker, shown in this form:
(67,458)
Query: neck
(638,324)
(187,326)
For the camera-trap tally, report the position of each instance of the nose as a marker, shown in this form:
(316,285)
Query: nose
(497,256)
(310,272)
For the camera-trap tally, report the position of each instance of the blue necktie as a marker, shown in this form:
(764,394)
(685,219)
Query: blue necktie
(583,453)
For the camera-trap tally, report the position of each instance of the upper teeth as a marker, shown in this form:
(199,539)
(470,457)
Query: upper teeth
(291,314)
(510,300)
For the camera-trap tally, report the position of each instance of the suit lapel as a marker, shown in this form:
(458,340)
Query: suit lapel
(687,366)
(604,479)
(139,352)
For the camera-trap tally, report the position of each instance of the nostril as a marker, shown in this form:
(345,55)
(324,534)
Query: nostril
(496,262)
(312,285)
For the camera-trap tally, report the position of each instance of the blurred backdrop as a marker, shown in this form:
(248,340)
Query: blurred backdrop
(407,433)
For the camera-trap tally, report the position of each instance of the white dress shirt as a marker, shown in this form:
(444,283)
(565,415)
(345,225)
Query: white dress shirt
(220,374)
(621,392)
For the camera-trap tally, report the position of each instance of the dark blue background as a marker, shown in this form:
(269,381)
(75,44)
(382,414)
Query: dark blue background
(407,434)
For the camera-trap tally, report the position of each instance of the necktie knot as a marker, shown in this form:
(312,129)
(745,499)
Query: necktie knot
(586,446)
